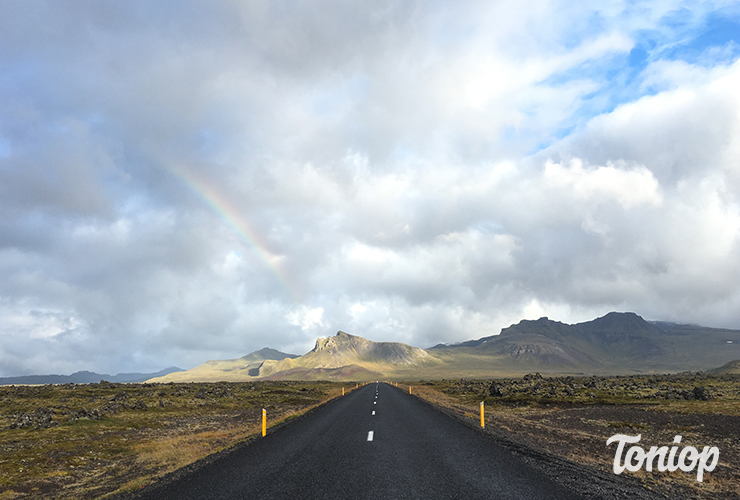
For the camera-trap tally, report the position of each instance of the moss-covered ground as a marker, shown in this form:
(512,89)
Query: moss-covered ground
(92,440)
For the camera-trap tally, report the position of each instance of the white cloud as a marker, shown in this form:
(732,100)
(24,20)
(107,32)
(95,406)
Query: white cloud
(307,318)
(391,159)
(628,186)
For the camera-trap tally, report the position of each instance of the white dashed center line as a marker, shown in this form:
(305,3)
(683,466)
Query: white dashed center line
(373,412)
(370,436)
(375,402)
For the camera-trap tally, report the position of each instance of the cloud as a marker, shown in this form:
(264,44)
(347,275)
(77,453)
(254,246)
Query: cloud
(181,182)
(629,187)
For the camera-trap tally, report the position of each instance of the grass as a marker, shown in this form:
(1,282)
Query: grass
(628,425)
(131,434)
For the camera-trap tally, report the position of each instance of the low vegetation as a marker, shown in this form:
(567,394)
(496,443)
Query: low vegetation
(88,441)
(93,440)
(572,417)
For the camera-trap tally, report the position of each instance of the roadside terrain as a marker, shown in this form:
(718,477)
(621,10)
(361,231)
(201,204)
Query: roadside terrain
(84,441)
(572,418)
(100,440)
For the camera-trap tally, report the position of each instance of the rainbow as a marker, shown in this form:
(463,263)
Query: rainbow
(239,225)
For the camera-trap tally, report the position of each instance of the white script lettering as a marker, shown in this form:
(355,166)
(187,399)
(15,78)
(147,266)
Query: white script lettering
(688,459)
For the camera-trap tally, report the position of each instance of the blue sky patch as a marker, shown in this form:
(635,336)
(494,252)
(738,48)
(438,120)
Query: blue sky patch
(719,31)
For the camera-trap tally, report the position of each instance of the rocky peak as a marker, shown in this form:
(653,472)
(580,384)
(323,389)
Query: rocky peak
(337,341)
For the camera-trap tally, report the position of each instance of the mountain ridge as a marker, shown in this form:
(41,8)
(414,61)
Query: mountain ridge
(86,377)
(613,344)
(618,342)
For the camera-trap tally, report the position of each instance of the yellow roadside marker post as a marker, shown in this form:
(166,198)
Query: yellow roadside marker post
(409,389)
(342,391)
(264,422)
(482,417)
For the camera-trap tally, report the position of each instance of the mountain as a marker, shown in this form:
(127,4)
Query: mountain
(614,343)
(228,370)
(614,336)
(345,350)
(342,357)
(85,377)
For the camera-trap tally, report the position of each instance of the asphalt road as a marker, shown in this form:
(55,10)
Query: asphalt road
(404,450)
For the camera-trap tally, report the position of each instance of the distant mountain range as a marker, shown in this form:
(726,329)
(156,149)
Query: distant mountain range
(85,377)
(617,343)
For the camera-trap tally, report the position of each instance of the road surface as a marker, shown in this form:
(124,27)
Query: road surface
(378,443)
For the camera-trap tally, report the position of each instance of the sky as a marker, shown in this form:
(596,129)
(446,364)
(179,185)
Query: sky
(192,180)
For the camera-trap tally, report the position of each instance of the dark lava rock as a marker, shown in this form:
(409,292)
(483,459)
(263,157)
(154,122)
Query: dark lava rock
(40,419)
(104,384)
(702,393)
(121,396)
(495,390)
(113,408)
(22,421)
(84,413)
